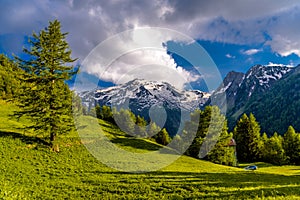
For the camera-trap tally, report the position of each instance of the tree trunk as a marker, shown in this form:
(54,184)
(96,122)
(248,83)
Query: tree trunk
(53,142)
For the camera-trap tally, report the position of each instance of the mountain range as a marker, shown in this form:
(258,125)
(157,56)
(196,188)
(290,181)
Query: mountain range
(251,92)
(164,104)
(271,93)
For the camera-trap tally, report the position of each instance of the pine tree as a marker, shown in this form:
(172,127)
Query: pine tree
(273,150)
(9,83)
(106,113)
(98,111)
(152,129)
(291,146)
(211,128)
(255,138)
(199,123)
(140,127)
(46,99)
(247,136)
(125,120)
(222,153)
(162,137)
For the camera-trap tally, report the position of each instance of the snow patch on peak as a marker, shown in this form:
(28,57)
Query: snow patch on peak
(278,65)
(222,90)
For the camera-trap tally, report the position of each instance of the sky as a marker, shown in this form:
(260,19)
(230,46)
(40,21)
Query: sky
(235,34)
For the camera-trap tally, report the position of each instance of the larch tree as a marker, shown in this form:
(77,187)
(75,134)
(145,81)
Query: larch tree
(45,98)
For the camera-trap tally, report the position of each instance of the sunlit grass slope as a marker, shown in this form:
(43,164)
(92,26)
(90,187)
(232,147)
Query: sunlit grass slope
(29,170)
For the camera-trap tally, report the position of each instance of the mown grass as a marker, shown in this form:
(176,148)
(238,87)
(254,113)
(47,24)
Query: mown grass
(29,170)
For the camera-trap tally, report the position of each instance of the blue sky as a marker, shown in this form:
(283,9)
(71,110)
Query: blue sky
(236,34)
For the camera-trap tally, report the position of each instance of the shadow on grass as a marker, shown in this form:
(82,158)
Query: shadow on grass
(136,143)
(25,138)
(240,185)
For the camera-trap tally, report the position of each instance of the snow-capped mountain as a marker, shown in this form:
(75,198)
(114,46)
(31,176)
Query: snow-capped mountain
(240,90)
(279,106)
(238,87)
(239,93)
(141,95)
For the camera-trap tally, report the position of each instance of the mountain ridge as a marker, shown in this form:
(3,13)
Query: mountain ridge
(235,96)
(149,99)
(249,95)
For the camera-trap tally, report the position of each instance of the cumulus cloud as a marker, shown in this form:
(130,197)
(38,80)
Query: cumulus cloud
(138,54)
(90,22)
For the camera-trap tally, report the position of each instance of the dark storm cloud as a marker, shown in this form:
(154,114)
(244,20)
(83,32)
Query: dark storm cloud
(92,21)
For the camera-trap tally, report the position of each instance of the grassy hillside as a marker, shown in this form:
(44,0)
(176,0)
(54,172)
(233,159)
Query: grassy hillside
(29,170)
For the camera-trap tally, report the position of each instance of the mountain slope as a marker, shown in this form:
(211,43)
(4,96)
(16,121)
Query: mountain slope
(240,88)
(278,107)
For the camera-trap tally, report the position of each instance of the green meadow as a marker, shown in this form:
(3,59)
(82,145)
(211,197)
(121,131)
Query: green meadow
(29,170)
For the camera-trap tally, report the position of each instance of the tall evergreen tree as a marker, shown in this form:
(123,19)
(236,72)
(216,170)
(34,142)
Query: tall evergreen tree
(212,138)
(140,127)
(247,136)
(46,99)
(152,129)
(291,146)
(106,113)
(9,83)
(273,151)
(125,119)
(162,137)
(201,122)
(222,153)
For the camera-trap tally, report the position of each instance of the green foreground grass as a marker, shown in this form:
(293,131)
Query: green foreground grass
(29,170)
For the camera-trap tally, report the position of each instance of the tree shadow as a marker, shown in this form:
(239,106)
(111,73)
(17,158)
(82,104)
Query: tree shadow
(136,143)
(25,138)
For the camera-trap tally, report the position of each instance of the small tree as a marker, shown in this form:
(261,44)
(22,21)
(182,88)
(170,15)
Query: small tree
(140,127)
(152,129)
(125,119)
(162,137)
(45,97)
(106,113)
(98,111)
(9,84)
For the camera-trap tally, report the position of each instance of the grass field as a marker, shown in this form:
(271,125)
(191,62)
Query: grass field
(29,170)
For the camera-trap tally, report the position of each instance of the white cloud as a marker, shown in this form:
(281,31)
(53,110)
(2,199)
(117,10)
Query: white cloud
(90,22)
(138,54)
(250,52)
(146,64)
(229,56)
